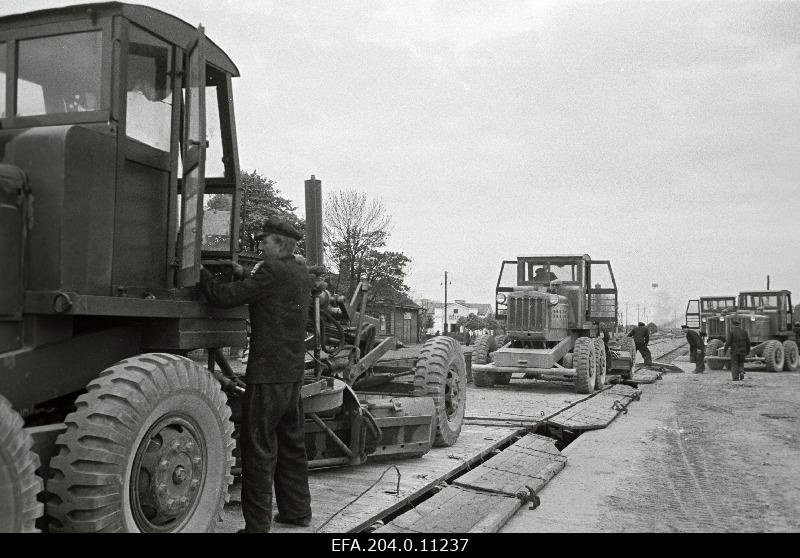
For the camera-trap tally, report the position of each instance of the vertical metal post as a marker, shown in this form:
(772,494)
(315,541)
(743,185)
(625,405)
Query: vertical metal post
(314,247)
(314,255)
(445,302)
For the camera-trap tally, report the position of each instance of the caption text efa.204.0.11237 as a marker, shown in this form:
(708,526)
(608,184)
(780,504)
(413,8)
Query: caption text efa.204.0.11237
(399,544)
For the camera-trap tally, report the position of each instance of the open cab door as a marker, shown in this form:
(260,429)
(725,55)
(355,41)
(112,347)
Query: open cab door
(693,314)
(601,292)
(194,159)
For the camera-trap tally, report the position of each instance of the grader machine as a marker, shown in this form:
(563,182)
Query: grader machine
(553,308)
(767,318)
(119,177)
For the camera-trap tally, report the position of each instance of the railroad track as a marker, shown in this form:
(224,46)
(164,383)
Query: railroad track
(671,354)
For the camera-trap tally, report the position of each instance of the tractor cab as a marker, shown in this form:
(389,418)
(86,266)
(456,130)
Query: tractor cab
(581,290)
(120,118)
(708,314)
(764,314)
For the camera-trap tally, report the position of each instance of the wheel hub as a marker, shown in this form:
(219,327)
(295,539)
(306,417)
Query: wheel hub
(452,390)
(167,475)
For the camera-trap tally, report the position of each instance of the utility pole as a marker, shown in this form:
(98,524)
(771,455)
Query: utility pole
(243,231)
(626,315)
(445,302)
(637,314)
(767,282)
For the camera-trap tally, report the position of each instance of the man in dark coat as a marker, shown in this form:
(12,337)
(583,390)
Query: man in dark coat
(272,437)
(739,342)
(641,337)
(696,350)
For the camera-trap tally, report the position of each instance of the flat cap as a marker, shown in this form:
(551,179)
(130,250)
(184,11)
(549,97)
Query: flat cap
(279,226)
(737,322)
(684,326)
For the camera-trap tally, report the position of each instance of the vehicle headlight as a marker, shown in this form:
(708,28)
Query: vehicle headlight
(705,320)
(752,318)
(721,319)
(500,298)
(553,299)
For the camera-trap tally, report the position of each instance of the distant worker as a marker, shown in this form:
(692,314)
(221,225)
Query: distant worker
(697,353)
(641,337)
(272,434)
(739,343)
(542,276)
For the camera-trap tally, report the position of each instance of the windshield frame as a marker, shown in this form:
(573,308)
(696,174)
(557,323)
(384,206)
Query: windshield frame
(706,303)
(12,37)
(746,300)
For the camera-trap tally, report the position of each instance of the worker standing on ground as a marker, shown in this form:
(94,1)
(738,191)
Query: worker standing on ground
(696,351)
(739,342)
(272,435)
(641,337)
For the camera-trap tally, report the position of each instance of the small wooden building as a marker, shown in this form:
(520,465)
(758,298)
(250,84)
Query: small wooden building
(399,316)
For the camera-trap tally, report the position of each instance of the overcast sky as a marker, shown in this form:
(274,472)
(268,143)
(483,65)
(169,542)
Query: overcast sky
(664,136)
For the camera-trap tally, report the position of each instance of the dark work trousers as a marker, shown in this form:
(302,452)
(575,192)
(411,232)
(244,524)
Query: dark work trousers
(273,450)
(645,352)
(698,356)
(737,366)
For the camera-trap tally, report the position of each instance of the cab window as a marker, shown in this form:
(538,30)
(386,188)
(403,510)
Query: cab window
(59,74)
(149,93)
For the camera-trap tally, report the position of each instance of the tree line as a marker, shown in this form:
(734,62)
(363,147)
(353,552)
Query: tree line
(356,231)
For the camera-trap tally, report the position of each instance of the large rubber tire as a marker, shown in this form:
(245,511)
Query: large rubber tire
(585,365)
(712,349)
(484,345)
(19,483)
(442,374)
(773,356)
(148,448)
(791,358)
(629,345)
(600,360)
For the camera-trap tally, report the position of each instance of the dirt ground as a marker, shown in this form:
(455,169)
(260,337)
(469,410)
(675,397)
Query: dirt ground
(698,453)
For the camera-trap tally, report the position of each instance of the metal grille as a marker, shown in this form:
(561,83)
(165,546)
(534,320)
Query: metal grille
(715,327)
(526,313)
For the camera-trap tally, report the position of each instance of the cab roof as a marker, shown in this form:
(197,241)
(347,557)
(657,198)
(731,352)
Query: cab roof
(170,28)
(584,257)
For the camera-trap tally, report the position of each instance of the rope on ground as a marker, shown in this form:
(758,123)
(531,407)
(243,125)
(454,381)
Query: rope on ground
(370,487)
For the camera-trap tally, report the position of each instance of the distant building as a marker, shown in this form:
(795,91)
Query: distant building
(399,316)
(455,310)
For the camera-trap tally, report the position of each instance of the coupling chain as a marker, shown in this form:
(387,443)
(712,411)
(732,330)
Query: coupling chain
(617,406)
(530,496)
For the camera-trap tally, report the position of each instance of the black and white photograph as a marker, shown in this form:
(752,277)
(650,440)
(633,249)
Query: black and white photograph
(400,276)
